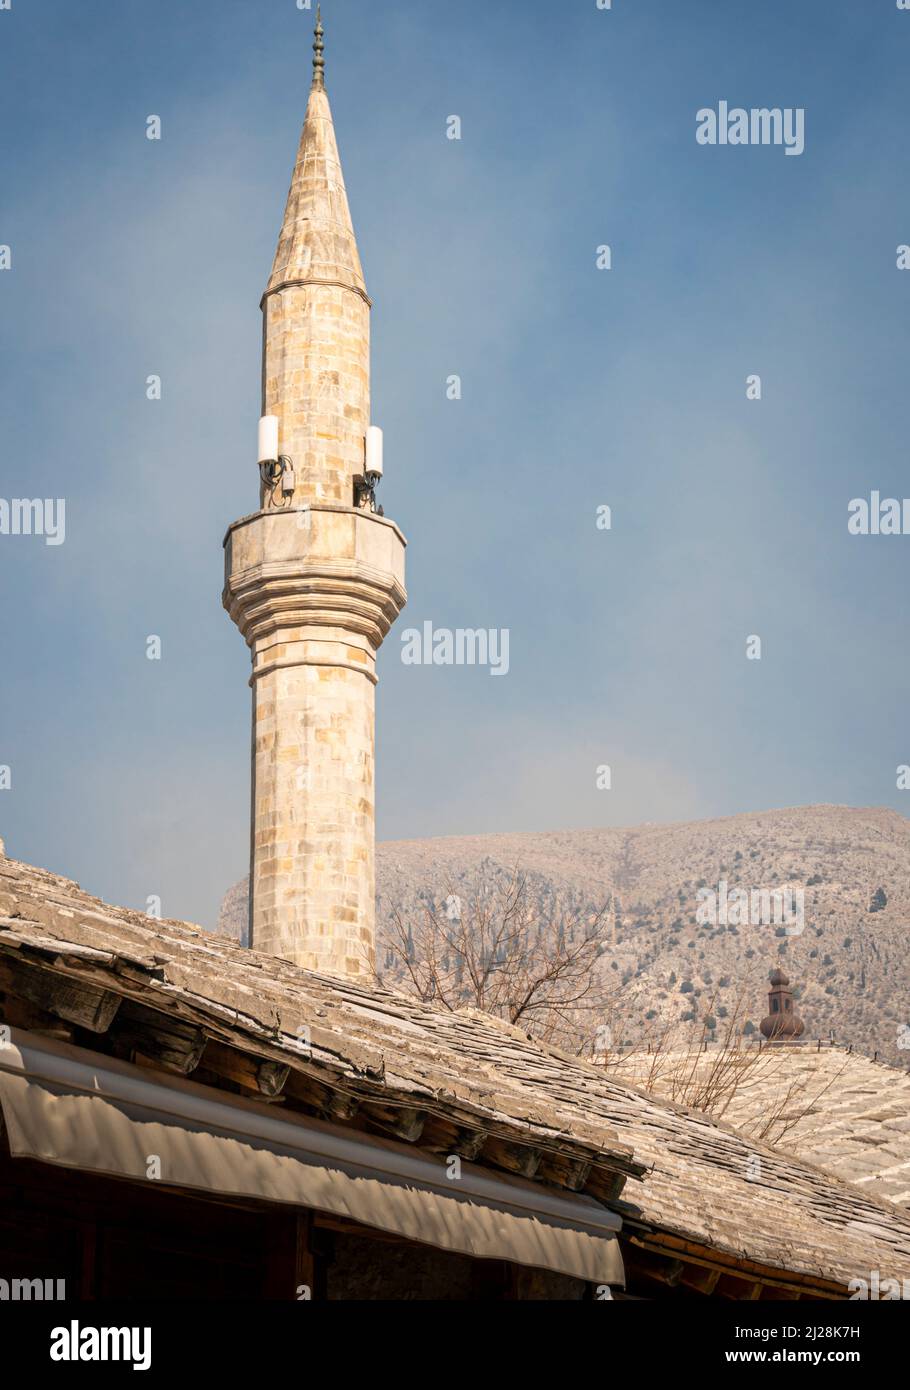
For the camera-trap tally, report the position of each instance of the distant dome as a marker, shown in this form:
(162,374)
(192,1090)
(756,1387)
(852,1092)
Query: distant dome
(782,1027)
(782,1023)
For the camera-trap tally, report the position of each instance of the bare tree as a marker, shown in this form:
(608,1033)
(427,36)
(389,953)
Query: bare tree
(531,960)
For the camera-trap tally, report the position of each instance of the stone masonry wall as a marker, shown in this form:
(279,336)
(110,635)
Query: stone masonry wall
(313,818)
(316,380)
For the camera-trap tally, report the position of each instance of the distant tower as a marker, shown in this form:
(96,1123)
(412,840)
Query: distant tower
(314,580)
(781,1024)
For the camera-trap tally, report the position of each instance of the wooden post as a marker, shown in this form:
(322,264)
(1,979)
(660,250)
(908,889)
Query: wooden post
(290,1266)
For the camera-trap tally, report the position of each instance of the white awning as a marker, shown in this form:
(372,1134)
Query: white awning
(67,1106)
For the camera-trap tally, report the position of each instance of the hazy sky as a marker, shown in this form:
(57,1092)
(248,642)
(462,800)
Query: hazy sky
(581,387)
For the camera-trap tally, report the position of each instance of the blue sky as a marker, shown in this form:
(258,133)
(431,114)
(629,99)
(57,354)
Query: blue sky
(580,387)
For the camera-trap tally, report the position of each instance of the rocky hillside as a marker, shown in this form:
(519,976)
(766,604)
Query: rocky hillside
(849,959)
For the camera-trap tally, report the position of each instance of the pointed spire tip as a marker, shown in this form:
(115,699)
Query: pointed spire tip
(318,51)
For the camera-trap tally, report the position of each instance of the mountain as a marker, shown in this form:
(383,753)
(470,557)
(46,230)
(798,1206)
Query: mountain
(848,957)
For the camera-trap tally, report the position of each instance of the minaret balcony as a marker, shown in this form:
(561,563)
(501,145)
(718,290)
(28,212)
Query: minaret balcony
(316,585)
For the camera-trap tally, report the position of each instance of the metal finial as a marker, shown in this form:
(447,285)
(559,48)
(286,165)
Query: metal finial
(319,50)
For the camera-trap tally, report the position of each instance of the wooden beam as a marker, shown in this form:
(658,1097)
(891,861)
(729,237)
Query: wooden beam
(729,1286)
(340,1106)
(514,1158)
(737,1268)
(571,1173)
(677,1273)
(641,1264)
(699,1280)
(769,1291)
(328,1102)
(19,1013)
(605,1184)
(260,1075)
(271,1077)
(158,1039)
(444,1137)
(403,1122)
(88,1006)
(469,1143)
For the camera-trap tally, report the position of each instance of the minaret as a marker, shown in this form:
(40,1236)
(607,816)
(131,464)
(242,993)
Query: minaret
(314,580)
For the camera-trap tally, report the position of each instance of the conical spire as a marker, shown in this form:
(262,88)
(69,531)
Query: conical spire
(317,243)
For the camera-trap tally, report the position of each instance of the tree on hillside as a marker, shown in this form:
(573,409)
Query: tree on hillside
(533,961)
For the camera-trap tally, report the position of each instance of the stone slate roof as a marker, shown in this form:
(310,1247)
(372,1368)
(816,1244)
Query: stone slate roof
(693,1186)
(838,1109)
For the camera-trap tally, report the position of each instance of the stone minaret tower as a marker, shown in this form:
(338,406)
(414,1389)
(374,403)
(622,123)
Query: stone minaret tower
(314,580)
